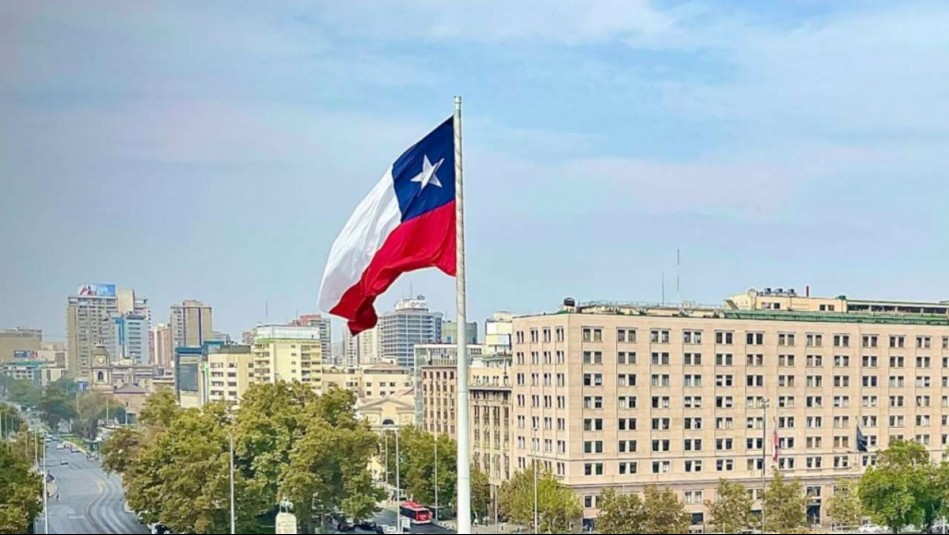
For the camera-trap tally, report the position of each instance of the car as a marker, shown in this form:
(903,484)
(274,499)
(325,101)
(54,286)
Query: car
(870,528)
(59,446)
(368,525)
(63,462)
(345,525)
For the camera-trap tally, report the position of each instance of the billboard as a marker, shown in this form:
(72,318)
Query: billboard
(97,290)
(24,354)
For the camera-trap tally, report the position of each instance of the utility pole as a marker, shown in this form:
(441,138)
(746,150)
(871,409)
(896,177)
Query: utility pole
(230,437)
(764,454)
(45,492)
(436,478)
(536,509)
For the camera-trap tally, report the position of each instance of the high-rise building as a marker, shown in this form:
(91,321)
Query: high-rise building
(13,342)
(288,353)
(89,321)
(607,394)
(160,346)
(450,332)
(231,369)
(326,331)
(497,333)
(129,338)
(190,323)
(362,349)
(409,324)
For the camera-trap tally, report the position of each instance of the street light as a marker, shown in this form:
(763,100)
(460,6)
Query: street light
(765,403)
(534,449)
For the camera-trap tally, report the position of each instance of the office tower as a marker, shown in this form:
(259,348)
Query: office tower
(129,338)
(190,323)
(362,349)
(89,321)
(231,369)
(409,324)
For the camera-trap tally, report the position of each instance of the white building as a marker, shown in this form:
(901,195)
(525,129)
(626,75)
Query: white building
(129,338)
(497,333)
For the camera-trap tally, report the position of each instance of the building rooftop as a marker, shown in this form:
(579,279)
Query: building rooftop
(778,305)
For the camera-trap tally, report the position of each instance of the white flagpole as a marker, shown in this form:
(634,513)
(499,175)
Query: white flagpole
(464,455)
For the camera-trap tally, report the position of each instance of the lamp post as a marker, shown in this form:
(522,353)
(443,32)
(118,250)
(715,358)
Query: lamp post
(45,492)
(230,439)
(536,509)
(765,403)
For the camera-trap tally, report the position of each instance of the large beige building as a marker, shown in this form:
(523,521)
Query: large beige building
(362,349)
(288,353)
(190,323)
(14,341)
(369,382)
(231,369)
(161,347)
(627,395)
(89,322)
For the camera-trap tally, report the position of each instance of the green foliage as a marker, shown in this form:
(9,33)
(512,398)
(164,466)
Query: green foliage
(20,489)
(558,507)
(22,391)
(417,469)
(11,418)
(56,407)
(905,487)
(664,512)
(289,443)
(785,506)
(844,506)
(731,510)
(620,513)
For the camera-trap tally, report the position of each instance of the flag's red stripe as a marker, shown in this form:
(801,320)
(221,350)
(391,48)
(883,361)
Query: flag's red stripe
(425,241)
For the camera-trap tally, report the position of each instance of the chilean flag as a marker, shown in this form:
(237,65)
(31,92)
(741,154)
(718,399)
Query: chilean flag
(407,222)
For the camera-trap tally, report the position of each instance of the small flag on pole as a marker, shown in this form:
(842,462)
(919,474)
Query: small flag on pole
(861,441)
(777,448)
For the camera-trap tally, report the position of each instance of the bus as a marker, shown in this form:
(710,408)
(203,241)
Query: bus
(416,513)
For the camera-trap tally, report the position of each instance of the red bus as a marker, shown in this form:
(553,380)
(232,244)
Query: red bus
(416,513)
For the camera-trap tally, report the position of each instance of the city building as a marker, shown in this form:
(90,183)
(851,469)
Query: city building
(395,409)
(409,324)
(361,349)
(217,336)
(37,371)
(374,381)
(231,370)
(498,333)
(89,321)
(489,394)
(326,331)
(161,347)
(191,377)
(626,395)
(190,323)
(288,353)
(439,360)
(129,338)
(429,353)
(450,332)
(14,342)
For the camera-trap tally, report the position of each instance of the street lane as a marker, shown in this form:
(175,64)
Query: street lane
(90,501)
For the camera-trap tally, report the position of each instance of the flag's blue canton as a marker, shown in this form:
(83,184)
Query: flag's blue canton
(425,173)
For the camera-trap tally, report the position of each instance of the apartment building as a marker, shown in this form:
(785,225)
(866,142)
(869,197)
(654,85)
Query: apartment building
(288,353)
(89,322)
(231,369)
(489,391)
(625,395)
(368,382)
(191,323)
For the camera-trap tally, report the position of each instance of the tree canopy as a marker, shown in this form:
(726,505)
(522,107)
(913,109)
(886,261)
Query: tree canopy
(289,444)
(905,487)
(844,506)
(20,487)
(731,510)
(785,506)
(558,507)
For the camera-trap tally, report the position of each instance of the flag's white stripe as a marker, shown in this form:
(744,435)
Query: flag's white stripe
(364,234)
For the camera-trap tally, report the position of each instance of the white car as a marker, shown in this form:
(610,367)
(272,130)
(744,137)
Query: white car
(870,528)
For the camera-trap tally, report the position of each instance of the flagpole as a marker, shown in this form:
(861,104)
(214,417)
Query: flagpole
(463,456)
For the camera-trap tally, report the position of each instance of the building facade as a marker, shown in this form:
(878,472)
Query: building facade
(326,331)
(89,324)
(409,324)
(627,395)
(362,349)
(499,333)
(489,390)
(129,338)
(231,369)
(368,382)
(288,353)
(450,332)
(13,342)
(161,347)
(190,323)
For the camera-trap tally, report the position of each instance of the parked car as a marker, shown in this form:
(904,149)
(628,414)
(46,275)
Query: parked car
(870,528)
(63,462)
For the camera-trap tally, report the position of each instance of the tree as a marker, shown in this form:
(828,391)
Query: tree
(25,392)
(664,512)
(844,506)
(905,487)
(10,420)
(20,490)
(56,407)
(620,513)
(731,510)
(558,507)
(480,493)
(785,506)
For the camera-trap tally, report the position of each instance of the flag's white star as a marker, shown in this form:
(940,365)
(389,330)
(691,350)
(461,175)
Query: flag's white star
(428,176)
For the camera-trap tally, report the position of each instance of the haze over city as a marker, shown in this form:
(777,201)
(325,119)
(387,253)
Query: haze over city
(213,151)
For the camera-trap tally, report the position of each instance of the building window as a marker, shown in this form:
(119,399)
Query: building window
(754,339)
(897,341)
(841,340)
(723,359)
(626,357)
(814,340)
(593,357)
(693,466)
(692,337)
(659,336)
(785,339)
(661,467)
(724,465)
(723,337)
(692,359)
(626,335)
(593,379)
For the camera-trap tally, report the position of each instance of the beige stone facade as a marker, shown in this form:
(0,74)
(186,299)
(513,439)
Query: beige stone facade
(14,340)
(368,382)
(288,353)
(231,369)
(628,395)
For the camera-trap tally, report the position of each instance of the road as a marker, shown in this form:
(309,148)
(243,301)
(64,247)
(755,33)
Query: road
(90,501)
(388,517)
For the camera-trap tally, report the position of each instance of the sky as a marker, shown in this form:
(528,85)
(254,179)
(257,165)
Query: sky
(213,150)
